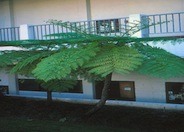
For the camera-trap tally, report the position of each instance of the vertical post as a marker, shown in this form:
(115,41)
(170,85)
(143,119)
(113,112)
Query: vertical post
(11,9)
(88,89)
(26,32)
(139,25)
(13,84)
(88,11)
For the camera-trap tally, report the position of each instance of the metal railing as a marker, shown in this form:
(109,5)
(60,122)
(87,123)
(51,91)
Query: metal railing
(9,34)
(170,23)
(166,23)
(102,27)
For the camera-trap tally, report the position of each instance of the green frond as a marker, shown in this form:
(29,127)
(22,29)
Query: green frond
(30,58)
(61,64)
(114,59)
(155,40)
(64,35)
(12,58)
(160,63)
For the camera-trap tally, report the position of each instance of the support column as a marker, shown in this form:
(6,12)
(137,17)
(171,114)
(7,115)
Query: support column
(26,32)
(13,84)
(88,9)
(11,8)
(88,89)
(139,25)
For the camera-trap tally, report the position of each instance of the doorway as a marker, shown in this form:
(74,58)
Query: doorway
(119,90)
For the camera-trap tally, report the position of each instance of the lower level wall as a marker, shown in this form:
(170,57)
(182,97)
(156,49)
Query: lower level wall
(147,89)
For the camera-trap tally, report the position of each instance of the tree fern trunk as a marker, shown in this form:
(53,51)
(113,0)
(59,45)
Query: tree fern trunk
(49,95)
(104,96)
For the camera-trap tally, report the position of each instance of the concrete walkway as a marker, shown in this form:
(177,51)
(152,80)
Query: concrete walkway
(150,105)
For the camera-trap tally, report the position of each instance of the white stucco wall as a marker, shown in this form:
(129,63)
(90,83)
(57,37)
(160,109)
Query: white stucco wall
(120,8)
(9,80)
(3,77)
(39,11)
(5,20)
(147,89)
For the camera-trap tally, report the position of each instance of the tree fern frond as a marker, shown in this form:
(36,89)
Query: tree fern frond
(32,56)
(59,65)
(114,59)
(12,58)
(160,63)
(155,40)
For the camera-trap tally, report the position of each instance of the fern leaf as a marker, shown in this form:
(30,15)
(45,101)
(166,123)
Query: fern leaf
(114,59)
(32,56)
(12,58)
(61,64)
(160,63)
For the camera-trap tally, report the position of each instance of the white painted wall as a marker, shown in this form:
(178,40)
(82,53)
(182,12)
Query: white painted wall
(147,89)
(5,20)
(120,8)
(3,77)
(9,80)
(39,11)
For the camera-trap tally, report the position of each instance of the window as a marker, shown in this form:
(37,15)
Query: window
(33,85)
(107,26)
(119,90)
(175,92)
(29,85)
(4,89)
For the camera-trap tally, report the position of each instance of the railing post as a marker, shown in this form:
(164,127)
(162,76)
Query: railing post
(26,32)
(139,25)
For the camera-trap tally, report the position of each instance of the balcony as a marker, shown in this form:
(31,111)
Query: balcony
(170,24)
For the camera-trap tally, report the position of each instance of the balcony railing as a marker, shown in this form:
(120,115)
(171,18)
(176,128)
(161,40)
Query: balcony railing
(170,24)
(105,26)
(166,23)
(10,34)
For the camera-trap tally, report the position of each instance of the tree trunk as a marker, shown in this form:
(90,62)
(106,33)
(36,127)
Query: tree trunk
(49,96)
(104,96)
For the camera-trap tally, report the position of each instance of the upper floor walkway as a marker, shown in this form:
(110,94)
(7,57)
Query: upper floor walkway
(169,24)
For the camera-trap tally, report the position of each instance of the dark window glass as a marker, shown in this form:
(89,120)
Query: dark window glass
(29,85)
(33,85)
(4,90)
(107,26)
(175,92)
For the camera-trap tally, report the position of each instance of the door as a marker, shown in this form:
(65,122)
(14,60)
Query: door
(127,91)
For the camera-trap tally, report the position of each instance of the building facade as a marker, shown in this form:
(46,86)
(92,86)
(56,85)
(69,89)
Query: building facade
(20,19)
